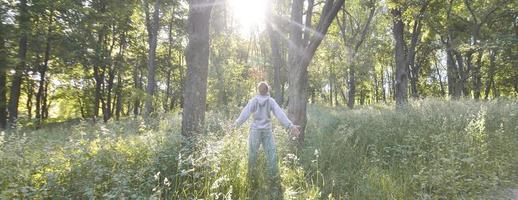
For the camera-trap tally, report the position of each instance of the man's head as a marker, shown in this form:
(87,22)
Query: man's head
(262,88)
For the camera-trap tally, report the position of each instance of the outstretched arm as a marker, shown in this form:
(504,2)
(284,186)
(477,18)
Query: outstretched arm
(277,111)
(245,113)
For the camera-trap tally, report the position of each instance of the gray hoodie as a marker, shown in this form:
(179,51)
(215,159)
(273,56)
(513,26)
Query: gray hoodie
(260,106)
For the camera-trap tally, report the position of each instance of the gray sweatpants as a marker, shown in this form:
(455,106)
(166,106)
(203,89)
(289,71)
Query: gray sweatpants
(257,138)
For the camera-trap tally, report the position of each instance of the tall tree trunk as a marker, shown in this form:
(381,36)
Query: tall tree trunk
(275,43)
(411,51)
(297,80)
(376,87)
(167,90)
(401,61)
(137,82)
(197,56)
(98,73)
(43,69)
(17,78)
(107,109)
(169,70)
(97,92)
(453,76)
(300,56)
(45,106)
(3,98)
(152,30)
(3,78)
(118,106)
(383,92)
(331,85)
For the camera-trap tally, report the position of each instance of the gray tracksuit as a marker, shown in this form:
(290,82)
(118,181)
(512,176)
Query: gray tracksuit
(261,134)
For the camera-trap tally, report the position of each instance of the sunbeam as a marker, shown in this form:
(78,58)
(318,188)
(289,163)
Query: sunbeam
(249,14)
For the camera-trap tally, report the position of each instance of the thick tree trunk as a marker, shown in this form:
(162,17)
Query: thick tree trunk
(401,61)
(453,79)
(18,75)
(152,30)
(197,56)
(300,56)
(297,80)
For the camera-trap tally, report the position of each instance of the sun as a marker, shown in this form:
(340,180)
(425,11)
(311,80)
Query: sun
(249,14)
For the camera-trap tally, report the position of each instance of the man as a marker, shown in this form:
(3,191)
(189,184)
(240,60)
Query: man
(261,107)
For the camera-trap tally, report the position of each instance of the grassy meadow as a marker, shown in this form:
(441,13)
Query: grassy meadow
(432,150)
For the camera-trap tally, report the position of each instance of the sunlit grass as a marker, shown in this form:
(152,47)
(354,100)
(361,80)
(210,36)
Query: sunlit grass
(433,150)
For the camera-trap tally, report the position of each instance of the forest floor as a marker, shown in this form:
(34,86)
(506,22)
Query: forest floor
(431,150)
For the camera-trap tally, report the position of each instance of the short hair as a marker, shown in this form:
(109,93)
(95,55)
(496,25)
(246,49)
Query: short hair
(263,87)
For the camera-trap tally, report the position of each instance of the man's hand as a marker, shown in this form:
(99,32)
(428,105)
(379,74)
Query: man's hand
(295,131)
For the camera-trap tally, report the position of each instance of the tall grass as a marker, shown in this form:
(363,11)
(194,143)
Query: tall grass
(431,150)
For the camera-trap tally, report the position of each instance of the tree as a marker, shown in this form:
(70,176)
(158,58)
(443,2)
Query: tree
(41,98)
(275,44)
(3,74)
(301,51)
(353,42)
(477,24)
(152,26)
(24,24)
(197,57)
(404,55)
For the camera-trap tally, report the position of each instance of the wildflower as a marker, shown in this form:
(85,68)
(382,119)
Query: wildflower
(157,175)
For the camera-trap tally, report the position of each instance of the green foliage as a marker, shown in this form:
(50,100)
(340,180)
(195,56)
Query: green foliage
(433,150)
